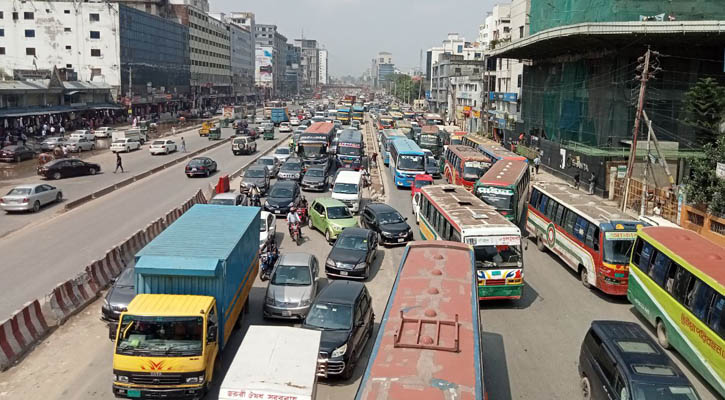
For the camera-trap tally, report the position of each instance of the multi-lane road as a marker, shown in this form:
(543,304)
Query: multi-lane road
(530,349)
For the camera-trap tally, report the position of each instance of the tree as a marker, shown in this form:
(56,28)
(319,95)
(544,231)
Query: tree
(703,186)
(405,88)
(704,107)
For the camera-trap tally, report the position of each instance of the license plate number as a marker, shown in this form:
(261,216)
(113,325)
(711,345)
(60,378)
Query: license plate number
(286,313)
(193,170)
(133,393)
(343,273)
(401,240)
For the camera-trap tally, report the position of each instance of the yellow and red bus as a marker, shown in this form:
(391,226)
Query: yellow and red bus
(464,165)
(677,282)
(505,186)
(592,238)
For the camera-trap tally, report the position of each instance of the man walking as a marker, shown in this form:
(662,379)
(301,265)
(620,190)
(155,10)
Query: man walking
(119,163)
(537,163)
(592,182)
(183,145)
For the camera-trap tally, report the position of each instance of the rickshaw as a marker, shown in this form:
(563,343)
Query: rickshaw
(215,133)
(268,133)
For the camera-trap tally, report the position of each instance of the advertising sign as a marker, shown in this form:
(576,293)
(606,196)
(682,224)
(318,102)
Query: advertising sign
(264,70)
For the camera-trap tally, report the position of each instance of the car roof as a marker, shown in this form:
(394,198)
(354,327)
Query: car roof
(329,202)
(354,231)
(266,158)
(295,259)
(227,195)
(341,292)
(28,185)
(257,167)
(285,183)
(380,207)
(200,158)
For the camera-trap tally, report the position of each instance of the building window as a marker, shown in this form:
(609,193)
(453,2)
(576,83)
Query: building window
(30,33)
(521,31)
(66,29)
(15,15)
(2,50)
(95,72)
(95,52)
(69,65)
(519,81)
(2,32)
(30,51)
(95,35)
(93,17)
(1,15)
(28,15)
(67,47)
(66,11)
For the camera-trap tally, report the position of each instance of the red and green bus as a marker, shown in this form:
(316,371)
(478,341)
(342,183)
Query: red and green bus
(464,165)
(505,186)
(592,238)
(677,282)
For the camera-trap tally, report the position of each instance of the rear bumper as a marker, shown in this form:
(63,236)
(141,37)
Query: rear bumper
(500,292)
(16,206)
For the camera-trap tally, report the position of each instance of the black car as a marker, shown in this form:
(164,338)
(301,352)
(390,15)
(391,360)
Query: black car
(118,297)
(352,254)
(343,311)
(256,175)
(315,179)
(387,223)
(619,360)
(282,196)
(291,169)
(203,166)
(67,167)
(16,153)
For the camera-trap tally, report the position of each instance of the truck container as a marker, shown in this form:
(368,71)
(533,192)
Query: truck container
(192,283)
(279,115)
(274,362)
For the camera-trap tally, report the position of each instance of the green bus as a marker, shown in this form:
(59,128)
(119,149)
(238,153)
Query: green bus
(505,186)
(677,282)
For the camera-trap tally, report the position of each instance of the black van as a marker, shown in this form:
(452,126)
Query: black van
(620,361)
(343,311)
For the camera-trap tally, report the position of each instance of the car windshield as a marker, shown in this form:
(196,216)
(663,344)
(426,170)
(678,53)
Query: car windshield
(330,316)
(196,162)
(420,183)
(282,151)
(338,212)
(160,336)
(392,217)
(281,193)
(646,391)
(266,161)
(126,279)
(254,173)
(472,170)
(350,242)
(222,202)
(291,275)
(410,162)
(617,251)
(19,192)
(345,188)
(500,199)
(315,172)
(497,256)
(158,142)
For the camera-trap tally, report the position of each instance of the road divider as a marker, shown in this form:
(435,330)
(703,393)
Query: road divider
(37,319)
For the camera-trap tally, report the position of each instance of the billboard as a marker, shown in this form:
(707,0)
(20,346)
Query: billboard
(263,62)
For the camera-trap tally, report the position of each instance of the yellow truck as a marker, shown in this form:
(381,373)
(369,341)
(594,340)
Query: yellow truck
(206,128)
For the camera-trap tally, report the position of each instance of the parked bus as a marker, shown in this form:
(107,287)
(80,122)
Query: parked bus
(464,166)
(505,186)
(357,113)
(406,161)
(403,364)
(490,148)
(677,282)
(447,212)
(592,238)
(386,142)
(350,149)
(433,119)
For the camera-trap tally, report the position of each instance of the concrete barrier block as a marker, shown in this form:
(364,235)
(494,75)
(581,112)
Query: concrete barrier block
(20,332)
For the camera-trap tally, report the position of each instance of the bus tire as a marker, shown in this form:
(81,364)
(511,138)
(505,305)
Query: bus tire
(662,337)
(540,243)
(584,276)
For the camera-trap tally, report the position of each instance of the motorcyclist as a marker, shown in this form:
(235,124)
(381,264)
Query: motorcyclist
(292,219)
(254,195)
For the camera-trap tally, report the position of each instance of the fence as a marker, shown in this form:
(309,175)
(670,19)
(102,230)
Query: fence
(707,225)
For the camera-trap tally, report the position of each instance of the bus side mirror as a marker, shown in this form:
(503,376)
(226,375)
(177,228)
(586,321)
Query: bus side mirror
(211,334)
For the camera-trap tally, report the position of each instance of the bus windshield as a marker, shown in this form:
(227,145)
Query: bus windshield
(472,170)
(617,247)
(500,199)
(429,139)
(411,162)
(312,151)
(348,151)
(497,256)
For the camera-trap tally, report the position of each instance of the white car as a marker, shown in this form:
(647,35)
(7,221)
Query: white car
(78,144)
(163,146)
(125,145)
(294,122)
(285,127)
(103,132)
(83,133)
(267,228)
(30,197)
(282,154)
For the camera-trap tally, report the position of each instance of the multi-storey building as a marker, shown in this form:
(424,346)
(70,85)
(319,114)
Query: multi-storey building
(443,97)
(241,57)
(270,41)
(382,69)
(310,63)
(293,72)
(323,66)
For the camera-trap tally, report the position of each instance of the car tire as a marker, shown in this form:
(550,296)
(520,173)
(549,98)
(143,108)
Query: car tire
(92,171)
(328,236)
(59,197)
(36,206)
(586,388)
(93,147)
(540,243)
(57,175)
(128,149)
(309,223)
(188,175)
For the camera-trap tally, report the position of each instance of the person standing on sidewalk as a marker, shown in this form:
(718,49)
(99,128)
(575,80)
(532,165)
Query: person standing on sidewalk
(183,145)
(592,182)
(576,180)
(119,163)
(62,131)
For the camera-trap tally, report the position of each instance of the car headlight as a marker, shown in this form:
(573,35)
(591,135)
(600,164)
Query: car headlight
(387,233)
(340,351)
(269,300)
(106,304)
(195,379)
(306,302)
(266,203)
(330,263)
(360,265)
(336,227)
(120,378)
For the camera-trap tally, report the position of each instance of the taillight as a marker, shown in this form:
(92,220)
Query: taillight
(25,200)
(504,213)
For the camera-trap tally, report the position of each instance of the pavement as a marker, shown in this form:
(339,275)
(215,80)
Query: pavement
(530,346)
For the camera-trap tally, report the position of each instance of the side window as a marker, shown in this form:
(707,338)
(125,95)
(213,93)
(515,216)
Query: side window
(569,220)
(559,215)
(716,318)
(606,364)
(580,228)
(320,209)
(534,197)
(660,267)
(593,237)
(212,318)
(620,387)
(703,301)
(645,257)
(682,283)
(551,209)
(543,203)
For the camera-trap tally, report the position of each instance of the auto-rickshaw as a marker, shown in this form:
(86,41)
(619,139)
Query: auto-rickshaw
(269,134)
(205,128)
(215,133)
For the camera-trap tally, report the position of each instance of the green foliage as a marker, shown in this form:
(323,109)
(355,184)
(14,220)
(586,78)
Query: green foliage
(406,88)
(703,186)
(704,107)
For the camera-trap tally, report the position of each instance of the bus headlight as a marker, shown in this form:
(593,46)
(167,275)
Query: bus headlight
(195,379)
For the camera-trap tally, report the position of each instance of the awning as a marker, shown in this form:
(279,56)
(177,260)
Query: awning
(25,112)
(72,92)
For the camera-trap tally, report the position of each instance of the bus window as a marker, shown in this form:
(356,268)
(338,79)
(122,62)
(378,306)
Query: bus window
(703,300)
(593,237)
(659,268)
(671,275)
(692,287)
(716,319)
(544,200)
(497,256)
(616,250)
(551,209)
(559,216)
(580,228)
(569,220)
(534,197)
(682,283)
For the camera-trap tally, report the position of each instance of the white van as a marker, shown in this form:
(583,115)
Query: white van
(348,189)
(133,133)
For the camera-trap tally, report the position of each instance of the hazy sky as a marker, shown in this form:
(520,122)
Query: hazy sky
(355,30)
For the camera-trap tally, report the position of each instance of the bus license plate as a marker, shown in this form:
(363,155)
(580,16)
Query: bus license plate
(343,273)
(133,393)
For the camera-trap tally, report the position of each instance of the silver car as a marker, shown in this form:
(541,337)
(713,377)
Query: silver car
(78,144)
(271,163)
(292,286)
(30,197)
(51,143)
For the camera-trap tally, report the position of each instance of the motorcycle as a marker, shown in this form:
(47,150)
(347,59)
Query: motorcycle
(302,214)
(254,200)
(295,232)
(267,260)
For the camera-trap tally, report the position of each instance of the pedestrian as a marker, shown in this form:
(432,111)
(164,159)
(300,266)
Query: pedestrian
(183,145)
(576,180)
(173,132)
(537,163)
(119,163)
(374,159)
(65,152)
(592,182)
(23,138)
(62,131)
(658,209)
(52,130)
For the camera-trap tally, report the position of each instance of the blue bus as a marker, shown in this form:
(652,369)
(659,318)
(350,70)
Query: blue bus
(350,149)
(406,161)
(385,139)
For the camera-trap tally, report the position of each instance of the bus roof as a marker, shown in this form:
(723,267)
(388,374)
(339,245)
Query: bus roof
(321,127)
(690,246)
(504,173)
(429,130)
(464,209)
(432,116)
(436,283)
(494,147)
(468,153)
(407,146)
(392,132)
(585,205)
(351,135)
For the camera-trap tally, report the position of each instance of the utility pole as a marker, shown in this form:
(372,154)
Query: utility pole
(643,77)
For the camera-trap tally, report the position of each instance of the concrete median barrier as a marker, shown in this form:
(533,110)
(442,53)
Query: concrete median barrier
(19,333)
(77,202)
(71,296)
(155,228)
(103,192)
